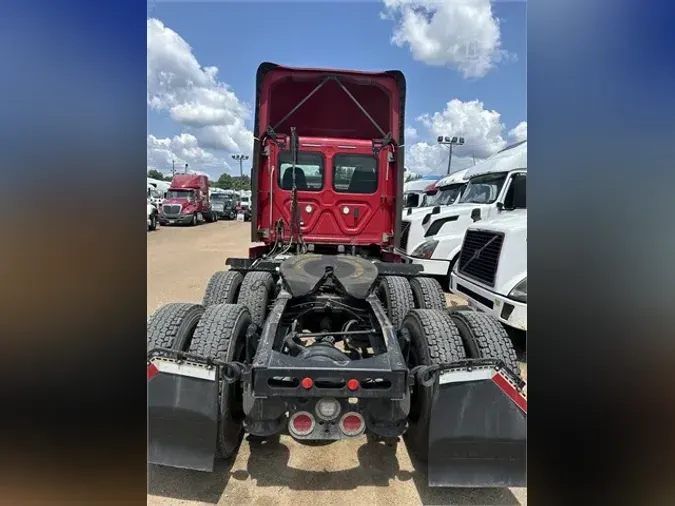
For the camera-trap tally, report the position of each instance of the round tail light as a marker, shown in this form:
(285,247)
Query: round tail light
(301,423)
(327,408)
(352,424)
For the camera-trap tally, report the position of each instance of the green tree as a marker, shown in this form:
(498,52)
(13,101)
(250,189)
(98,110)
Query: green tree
(155,174)
(224,182)
(241,183)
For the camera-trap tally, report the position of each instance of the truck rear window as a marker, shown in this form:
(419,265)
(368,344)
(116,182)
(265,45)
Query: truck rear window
(309,171)
(355,173)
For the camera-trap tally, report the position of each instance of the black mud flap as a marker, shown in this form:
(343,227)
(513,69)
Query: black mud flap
(182,414)
(478,430)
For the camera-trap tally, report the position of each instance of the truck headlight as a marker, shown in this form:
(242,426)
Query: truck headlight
(519,292)
(425,250)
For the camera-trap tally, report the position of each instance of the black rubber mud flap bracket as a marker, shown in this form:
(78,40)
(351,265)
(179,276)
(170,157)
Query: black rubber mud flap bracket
(182,414)
(478,430)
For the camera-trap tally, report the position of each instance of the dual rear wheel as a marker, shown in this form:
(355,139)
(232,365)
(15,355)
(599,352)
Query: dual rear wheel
(217,332)
(217,329)
(435,334)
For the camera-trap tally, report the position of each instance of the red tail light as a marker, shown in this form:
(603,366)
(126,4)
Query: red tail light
(301,423)
(352,424)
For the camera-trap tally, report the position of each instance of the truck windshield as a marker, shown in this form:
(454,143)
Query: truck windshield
(180,194)
(219,197)
(484,189)
(445,196)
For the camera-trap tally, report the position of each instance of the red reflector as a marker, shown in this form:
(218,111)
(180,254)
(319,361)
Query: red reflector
(152,371)
(307,383)
(353,384)
(517,397)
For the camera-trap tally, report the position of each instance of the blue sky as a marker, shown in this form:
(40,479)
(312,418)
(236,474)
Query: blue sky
(430,48)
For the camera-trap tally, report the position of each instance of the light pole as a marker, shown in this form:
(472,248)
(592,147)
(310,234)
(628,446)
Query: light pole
(240,158)
(448,141)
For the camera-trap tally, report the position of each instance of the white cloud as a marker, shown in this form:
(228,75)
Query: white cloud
(430,158)
(183,149)
(209,111)
(410,134)
(519,132)
(462,34)
(482,129)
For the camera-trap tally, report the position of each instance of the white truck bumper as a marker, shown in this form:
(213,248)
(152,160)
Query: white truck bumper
(507,311)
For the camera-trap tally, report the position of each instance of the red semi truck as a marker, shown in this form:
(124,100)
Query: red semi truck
(187,201)
(320,334)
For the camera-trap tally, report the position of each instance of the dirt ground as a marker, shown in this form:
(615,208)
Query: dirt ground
(180,262)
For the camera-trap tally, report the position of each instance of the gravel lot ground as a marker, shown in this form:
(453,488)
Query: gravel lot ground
(180,262)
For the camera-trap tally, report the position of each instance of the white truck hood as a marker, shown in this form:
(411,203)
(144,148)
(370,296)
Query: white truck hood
(417,232)
(509,221)
(417,211)
(512,267)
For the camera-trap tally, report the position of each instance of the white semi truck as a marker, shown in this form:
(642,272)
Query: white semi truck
(152,216)
(490,192)
(447,192)
(491,272)
(156,191)
(415,192)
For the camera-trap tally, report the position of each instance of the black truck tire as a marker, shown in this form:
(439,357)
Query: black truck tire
(428,293)
(173,325)
(221,335)
(434,339)
(223,288)
(485,337)
(397,297)
(254,294)
(153,222)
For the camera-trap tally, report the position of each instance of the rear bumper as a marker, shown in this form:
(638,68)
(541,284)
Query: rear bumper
(483,444)
(508,311)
